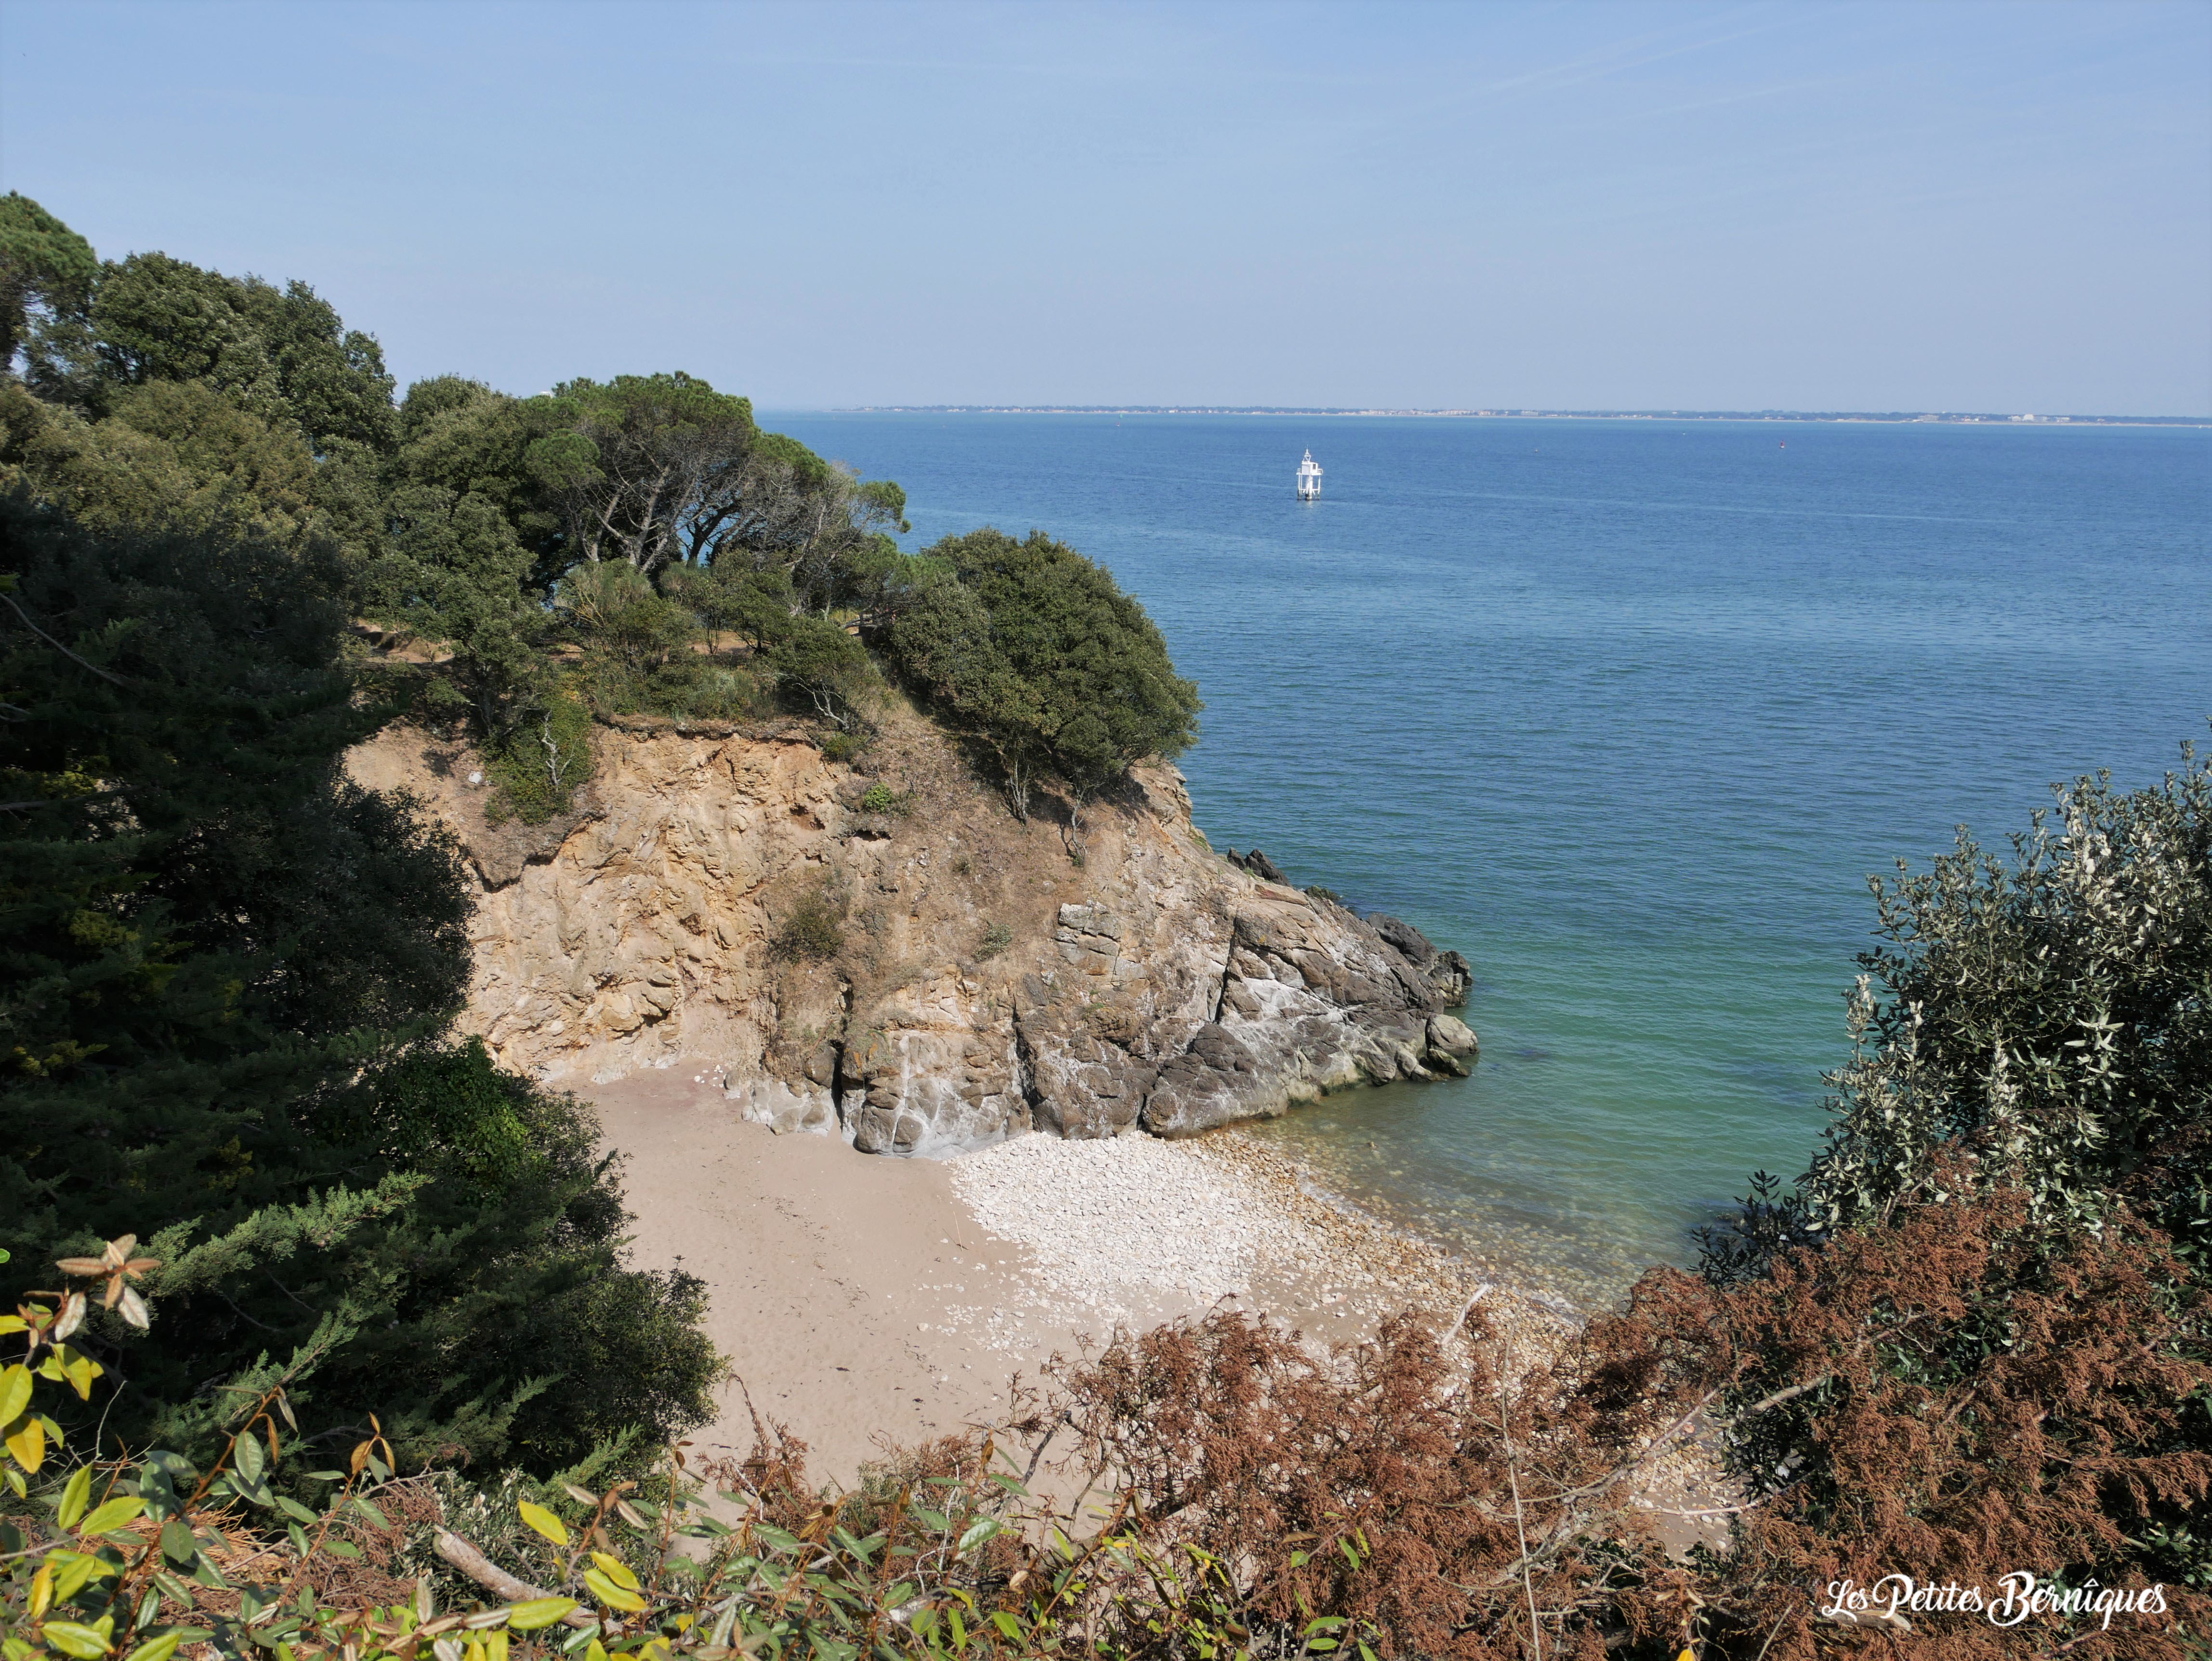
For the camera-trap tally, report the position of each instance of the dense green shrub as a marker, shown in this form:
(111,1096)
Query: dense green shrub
(1038,651)
(880,798)
(540,758)
(227,976)
(824,671)
(2050,1014)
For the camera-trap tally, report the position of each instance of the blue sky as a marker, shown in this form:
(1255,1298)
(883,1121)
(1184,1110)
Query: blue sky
(1869,206)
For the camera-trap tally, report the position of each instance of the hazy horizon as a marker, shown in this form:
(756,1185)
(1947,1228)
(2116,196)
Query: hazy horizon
(1810,207)
(1227,406)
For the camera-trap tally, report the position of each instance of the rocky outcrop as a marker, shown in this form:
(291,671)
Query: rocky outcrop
(925,979)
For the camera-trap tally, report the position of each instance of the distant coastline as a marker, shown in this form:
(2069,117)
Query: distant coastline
(1900,417)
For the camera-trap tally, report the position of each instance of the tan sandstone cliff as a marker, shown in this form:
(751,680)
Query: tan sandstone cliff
(985,984)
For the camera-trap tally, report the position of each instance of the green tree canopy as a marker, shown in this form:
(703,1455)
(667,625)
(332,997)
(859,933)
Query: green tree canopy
(648,468)
(226,976)
(458,536)
(47,272)
(282,354)
(172,456)
(1038,649)
(662,470)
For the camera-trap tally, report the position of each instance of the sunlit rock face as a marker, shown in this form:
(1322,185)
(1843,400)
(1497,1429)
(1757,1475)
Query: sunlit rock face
(920,981)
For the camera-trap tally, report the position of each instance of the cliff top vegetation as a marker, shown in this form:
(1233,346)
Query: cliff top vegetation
(636,545)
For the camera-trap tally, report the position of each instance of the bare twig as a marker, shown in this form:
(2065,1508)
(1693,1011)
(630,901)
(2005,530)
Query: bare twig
(1452,1332)
(492,1578)
(1513,1476)
(57,646)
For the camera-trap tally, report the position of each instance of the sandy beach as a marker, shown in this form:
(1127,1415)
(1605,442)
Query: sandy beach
(866,1301)
(869,1303)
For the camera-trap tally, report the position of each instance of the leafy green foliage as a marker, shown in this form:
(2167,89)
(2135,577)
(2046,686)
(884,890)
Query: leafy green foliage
(824,671)
(540,758)
(2048,1017)
(282,353)
(219,956)
(880,798)
(2052,1015)
(47,272)
(170,456)
(452,547)
(648,468)
(1039,651)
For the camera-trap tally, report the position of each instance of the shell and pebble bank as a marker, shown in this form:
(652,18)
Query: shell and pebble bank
(1135,1230)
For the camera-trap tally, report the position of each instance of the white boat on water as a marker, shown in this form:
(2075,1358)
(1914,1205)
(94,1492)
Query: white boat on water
(1309,479)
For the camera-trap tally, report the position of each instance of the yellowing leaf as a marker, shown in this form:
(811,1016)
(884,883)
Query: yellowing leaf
(70,1573)
(614,1596)
(1687,1654)
(81,1371)
(14,1391)
(157,1649)
(73,1638)
(42,1590)
(616,1570)
(544,1521)
(75,1497)
(26,1440)
(113,1515)
(539,1612)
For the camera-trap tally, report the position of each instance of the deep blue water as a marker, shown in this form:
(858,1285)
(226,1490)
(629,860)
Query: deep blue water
(1627,711)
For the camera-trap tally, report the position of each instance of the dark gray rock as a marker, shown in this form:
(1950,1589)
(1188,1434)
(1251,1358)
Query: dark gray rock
(1265,868)
(1217,1081)
(1410,942)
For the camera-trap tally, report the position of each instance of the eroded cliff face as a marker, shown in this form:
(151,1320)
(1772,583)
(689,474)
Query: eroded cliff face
(980,982)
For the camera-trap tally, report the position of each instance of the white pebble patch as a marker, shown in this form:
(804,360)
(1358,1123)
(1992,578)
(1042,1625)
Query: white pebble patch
(1121,1224)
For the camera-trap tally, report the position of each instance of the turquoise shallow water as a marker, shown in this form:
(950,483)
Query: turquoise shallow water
(1627,711)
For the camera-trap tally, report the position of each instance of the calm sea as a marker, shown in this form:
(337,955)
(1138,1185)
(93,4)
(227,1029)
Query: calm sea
(1627,712)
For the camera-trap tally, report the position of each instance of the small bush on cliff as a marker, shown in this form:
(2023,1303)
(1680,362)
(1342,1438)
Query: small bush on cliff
(880,798)
(539,763)
(814,929)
